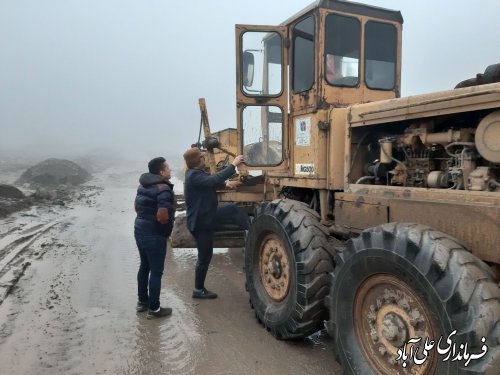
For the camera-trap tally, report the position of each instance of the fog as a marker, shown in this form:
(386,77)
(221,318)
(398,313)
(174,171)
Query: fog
(123,77)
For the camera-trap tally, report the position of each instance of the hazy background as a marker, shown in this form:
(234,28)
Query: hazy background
(124,76)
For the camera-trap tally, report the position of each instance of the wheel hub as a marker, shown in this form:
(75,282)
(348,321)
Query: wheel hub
(388,313)
(394,329)
(274,268)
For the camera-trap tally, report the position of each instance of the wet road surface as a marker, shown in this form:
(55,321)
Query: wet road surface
(69,295)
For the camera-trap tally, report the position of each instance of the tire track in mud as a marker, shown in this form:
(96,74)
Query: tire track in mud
(13,245)
(52,340)
(28,234)
(62,326)
(18,248)
(39,315)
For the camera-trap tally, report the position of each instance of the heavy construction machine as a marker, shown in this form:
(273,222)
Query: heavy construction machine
(375,215)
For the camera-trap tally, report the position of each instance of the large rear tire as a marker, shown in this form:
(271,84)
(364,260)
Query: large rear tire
(287,267)
(400,281)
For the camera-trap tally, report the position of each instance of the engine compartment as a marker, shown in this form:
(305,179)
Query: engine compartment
(455,152)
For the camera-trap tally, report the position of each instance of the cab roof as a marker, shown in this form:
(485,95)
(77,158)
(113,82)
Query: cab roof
(349,7)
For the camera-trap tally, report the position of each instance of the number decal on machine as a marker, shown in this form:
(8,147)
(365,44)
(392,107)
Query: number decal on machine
(304,169)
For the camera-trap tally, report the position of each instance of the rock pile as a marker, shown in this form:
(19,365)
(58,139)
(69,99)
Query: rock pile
(11,200)
(9,191)
(51,182)
(52,172)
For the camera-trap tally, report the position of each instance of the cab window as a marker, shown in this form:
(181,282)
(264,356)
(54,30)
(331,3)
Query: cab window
(262,130)
(342,50)
(380,55)
(303,55)
(265,50)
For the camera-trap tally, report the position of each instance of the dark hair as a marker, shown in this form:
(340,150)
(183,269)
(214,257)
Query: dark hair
(155,166)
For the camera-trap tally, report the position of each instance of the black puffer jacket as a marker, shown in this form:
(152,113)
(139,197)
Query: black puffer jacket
(154,195)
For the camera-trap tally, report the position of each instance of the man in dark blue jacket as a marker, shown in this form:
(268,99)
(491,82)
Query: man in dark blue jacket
(201,207)
(155,207)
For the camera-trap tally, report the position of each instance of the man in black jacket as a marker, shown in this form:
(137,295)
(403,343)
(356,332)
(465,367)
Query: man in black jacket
(155,207)
(201,207)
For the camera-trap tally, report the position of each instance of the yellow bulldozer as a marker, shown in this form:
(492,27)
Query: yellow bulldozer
(375,216)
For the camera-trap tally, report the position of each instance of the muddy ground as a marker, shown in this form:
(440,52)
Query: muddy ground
(68,294)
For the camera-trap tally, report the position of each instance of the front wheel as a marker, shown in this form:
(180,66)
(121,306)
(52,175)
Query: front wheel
(397,282)
(287,264)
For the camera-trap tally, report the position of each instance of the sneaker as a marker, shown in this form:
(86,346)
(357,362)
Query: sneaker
(204,294)
(141,306)
(160,313)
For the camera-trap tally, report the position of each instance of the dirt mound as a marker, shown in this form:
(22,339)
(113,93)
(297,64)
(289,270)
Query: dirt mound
(53,172)
(9,191)
(11,200)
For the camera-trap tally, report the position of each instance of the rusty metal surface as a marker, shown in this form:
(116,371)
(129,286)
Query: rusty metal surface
(477,226)
(325,153)
(427,105)
(388,313)
(344,96)
(336,148)
(238,196)
(228,143)
(359,214)
(335,115)
(274,267)
(472,217)
(322,95)
(207,133)
(228,139)
(309,183)
(243,100)
(362,9)
(386,192)
(347,7)
(308,158)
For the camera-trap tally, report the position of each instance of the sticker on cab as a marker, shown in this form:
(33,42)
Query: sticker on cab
(303,131)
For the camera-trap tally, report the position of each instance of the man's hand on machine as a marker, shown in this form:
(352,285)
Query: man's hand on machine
(238,160)
(232,184)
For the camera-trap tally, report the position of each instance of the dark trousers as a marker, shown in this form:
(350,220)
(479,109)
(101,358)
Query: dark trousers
(152,251)
(230,213)
(205,243)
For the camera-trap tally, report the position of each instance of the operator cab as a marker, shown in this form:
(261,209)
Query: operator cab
(332,54)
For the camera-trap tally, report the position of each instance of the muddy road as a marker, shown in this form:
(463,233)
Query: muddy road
(68,294)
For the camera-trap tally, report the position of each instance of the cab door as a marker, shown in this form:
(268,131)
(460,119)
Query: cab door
(262,96)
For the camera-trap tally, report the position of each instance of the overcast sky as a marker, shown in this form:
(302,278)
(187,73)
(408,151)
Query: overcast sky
(80,76)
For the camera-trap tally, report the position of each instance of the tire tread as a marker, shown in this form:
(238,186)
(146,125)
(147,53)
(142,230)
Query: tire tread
(466,286)
(313,261)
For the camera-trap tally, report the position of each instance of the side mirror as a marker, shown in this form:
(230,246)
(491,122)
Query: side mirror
(248,68)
